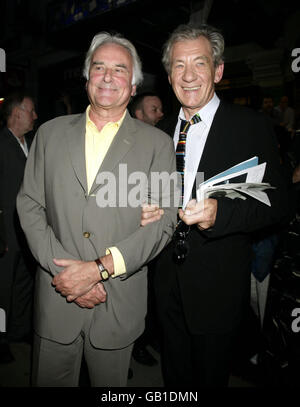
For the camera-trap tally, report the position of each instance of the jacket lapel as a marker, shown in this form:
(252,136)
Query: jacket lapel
(120,145)
(11,139)
(213,156)
(76,144)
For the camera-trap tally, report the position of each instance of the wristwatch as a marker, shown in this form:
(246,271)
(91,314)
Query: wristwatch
(104,274)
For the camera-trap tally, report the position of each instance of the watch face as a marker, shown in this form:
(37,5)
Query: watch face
(104,275)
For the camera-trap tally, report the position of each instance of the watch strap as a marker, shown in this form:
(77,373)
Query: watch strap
(104,274)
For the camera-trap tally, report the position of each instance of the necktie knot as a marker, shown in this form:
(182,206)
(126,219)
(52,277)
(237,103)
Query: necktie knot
(195,119)
(180,150)
(186,124)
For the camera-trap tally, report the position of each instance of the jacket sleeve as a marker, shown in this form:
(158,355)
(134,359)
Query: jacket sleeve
(243,216)
(148,241)
(32,211)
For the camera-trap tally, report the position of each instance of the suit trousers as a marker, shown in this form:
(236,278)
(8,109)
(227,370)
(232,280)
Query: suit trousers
(58,365)
(188,359)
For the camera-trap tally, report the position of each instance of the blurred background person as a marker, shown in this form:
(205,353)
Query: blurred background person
(16,264)
(267,107)
(286,125)
(286,114)
(147,107)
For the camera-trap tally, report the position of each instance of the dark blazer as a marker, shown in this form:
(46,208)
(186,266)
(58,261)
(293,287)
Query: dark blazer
(12,165)
(214,279)
(2,234)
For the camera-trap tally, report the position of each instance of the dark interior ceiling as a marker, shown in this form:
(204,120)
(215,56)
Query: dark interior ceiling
(148,23)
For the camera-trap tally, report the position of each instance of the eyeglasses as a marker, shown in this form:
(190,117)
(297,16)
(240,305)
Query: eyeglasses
(181,248)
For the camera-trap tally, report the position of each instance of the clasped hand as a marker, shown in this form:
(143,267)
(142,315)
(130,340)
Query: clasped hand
(79,282)
(203,213)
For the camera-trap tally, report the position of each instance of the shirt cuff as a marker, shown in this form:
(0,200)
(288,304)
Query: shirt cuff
(119,264)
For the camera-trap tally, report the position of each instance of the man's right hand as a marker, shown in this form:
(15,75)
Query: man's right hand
(150,213)
(93,297)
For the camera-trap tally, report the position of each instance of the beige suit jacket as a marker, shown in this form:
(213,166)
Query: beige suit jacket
(56,212)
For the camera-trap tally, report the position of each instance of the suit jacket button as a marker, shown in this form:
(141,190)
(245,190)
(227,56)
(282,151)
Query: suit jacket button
(86,234)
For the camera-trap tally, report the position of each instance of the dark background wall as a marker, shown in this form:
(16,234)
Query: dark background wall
(45,44)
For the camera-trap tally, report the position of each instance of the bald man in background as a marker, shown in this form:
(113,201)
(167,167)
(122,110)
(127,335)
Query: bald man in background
(147,107)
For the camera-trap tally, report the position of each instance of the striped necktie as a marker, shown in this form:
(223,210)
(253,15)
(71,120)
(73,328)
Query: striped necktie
(180,149)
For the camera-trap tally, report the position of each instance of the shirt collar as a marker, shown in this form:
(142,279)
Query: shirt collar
(91,123)
(207,112)
(17,138)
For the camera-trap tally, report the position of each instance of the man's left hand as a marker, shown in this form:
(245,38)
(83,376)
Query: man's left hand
(201,213)
(95,296)
(77,278)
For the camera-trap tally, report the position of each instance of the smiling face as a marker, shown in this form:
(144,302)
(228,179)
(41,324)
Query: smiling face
(193,74)
(109,86)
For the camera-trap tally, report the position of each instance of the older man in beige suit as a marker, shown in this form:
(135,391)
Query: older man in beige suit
(91,287)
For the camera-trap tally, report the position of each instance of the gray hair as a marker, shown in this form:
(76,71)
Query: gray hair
(186,32)
(107,38)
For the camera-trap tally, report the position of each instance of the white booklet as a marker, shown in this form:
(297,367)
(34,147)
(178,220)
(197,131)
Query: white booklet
(239,181)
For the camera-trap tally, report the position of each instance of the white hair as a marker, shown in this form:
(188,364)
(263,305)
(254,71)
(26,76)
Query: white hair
(186,32)
(107,38)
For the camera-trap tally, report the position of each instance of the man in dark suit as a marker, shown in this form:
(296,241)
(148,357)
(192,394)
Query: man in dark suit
(2,234)
(16,267)
(203,277)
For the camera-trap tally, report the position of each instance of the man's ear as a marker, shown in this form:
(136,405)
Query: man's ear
(139,114)
(219,73)
(169,79)
(133,90)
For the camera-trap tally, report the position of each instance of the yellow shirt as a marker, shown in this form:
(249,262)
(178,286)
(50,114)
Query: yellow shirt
(96,146)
